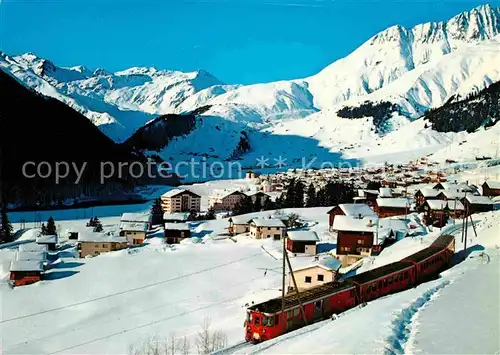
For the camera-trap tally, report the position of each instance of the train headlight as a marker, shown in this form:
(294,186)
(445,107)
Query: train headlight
(256,336)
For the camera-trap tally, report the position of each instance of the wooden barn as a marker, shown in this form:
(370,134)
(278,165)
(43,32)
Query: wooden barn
(49,240)
(491,188)
(476,204)
(176,232)
(355,235)
(389,207)
(302,242)
(25,272)
(350,209)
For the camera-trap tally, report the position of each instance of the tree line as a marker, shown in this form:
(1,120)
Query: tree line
(297,196)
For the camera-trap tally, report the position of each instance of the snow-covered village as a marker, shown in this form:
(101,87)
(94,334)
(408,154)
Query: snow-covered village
(149,211)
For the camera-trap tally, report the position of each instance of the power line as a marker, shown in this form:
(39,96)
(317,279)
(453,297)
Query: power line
(126,291)
(144,325)
(142,311)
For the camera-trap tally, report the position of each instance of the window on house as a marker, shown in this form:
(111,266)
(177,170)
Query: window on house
(268,228)
(104,245)
(308,279)
(321,277)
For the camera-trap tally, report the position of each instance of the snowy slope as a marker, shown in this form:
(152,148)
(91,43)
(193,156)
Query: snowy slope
(413,321)
(414,68)
(104,304)
(390,54)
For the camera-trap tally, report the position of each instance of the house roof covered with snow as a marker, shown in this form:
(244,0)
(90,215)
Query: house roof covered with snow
(91,237)
(438,205)
(46,239)
(175,192)
(355,224)
(176,216)
(356,209)
(241,220)
(31,255)
(134,226)
(26,265)
(176,226)
(136,217)
(32,247)
(397,202)
(328,263)
(385,192)
(479,200)
(303,236)
(429,192)
(493,184)
(268,222)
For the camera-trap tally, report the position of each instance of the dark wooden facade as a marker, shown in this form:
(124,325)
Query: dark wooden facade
(334,212)
(472,208)
(489,191)
(384,212)
(174,236)
(21,278)
(298,246)
(353,242)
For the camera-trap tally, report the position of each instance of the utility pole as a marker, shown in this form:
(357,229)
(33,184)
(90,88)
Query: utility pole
(465,215)
(296,290)
(465,234)
(283,325)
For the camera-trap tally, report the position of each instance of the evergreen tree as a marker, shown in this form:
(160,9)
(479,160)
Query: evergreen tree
(373,185)
(157,212)
(210,214)
(311,200)
(5,227)
(298,195)
(257,205)
(290,199)
(97,225)
(243,206)
(279,203)
(268,205)
(51,226)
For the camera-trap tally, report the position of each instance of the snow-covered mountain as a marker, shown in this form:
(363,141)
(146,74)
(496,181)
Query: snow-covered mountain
(408,69)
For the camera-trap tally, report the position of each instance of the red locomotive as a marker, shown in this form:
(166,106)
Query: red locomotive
(266,321)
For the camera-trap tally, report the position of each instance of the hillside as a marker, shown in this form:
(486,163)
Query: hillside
(36,128)
(479,109)
(356,107)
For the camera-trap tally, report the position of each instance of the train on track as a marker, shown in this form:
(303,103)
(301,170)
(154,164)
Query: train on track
(266,320)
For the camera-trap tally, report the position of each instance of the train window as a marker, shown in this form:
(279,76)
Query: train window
(369,288)
(267,321)
(380,284)
(374,287)
(289,314)
(276,319)
(295,312)
(257,320)
(390,281)
(385,282)
(249,317)
(400,277)
(406,274)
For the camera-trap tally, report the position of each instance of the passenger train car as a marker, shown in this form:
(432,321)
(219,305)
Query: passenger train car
(266,320)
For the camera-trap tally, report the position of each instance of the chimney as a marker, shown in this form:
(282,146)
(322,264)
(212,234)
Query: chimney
(370,223)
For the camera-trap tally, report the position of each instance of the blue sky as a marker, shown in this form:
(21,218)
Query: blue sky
(239,41)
